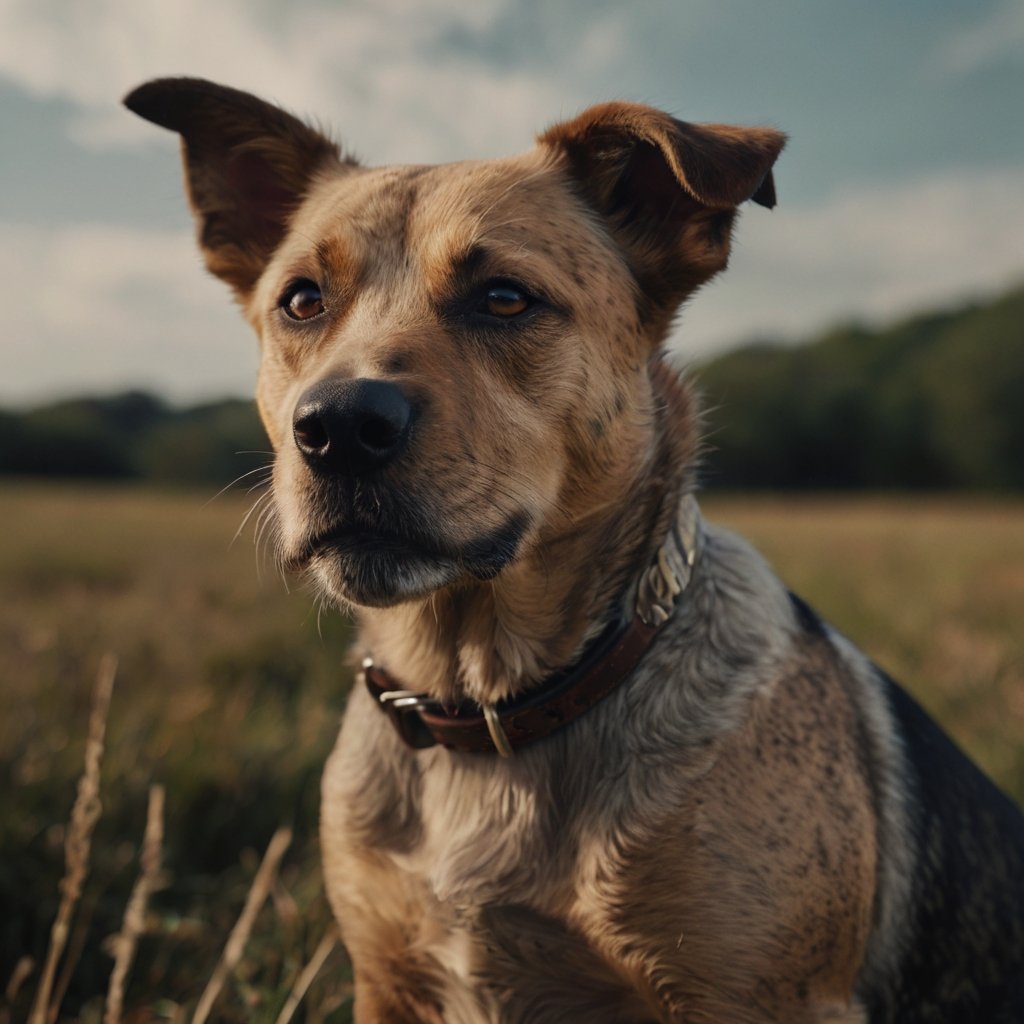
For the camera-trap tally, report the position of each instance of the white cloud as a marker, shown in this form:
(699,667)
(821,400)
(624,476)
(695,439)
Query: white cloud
(94,308)
(871,254)
(380,70)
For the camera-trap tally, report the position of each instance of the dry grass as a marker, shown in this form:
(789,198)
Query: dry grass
(84,815)
(327,946)
(258,893)
(228,697)
(127,940)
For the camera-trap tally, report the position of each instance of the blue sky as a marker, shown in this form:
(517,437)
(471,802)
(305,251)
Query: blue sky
(902,186)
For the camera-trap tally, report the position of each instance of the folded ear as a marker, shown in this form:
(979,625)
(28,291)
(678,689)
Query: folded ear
(247,166)
(667,189)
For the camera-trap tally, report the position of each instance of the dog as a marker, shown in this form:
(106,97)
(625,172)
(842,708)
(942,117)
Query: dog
(600,766)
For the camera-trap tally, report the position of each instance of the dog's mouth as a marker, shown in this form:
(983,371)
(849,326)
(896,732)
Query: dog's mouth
(373,565)
(352,539)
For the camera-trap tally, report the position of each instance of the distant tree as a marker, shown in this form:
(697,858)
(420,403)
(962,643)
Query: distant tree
(933,402)
(212,443)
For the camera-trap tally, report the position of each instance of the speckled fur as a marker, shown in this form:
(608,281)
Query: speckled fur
(756,826)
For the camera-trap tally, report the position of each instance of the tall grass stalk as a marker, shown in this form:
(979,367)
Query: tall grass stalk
(125,943)
(77,845)
(257,896)
(22,969)
(308,974)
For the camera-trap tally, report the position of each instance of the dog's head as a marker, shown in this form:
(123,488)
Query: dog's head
(455,359)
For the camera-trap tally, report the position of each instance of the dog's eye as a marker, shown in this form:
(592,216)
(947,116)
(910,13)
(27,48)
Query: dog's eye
(506,301)
(302,300)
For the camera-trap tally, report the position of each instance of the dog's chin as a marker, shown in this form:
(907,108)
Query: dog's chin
(380,577)
(378,572)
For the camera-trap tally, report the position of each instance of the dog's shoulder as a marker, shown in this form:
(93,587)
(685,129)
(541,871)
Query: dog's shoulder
(948,936)
(963,956)
(948,923)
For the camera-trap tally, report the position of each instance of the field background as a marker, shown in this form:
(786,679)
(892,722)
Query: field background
(229,692)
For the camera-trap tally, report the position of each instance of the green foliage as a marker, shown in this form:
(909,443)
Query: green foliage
(208,443)
(934,402)
(82,437)
(133,435)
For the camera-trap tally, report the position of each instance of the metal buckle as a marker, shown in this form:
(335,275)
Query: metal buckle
(403,698)
(403,707)
(494,727)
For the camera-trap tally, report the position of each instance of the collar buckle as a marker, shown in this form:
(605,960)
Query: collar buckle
(401,706)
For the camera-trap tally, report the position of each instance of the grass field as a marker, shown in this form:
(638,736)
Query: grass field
(228,693)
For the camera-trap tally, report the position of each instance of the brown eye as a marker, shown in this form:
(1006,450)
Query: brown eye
(506,301)
(302,300)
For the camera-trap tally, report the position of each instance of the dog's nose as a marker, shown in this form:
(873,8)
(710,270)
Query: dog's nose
(351,426)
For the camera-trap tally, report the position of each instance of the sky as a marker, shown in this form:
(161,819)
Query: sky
(902,187)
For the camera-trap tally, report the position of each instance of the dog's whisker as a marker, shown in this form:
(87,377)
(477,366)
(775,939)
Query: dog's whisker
(238,479)
(265,525)
(248,515)
(264,530)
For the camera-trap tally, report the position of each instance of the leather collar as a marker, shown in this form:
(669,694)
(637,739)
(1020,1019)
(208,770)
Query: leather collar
(563,697)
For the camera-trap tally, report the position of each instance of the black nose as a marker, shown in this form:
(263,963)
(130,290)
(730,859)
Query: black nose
(351,426)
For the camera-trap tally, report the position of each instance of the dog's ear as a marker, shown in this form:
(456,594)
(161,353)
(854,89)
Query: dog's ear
(247,166)
(667,189)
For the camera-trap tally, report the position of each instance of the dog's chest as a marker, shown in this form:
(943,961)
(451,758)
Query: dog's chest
(488,834)
(503,872)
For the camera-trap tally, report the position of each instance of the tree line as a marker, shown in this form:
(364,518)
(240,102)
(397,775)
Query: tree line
(934,402)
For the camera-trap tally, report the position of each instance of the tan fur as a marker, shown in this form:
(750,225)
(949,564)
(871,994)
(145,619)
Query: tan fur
(702,846)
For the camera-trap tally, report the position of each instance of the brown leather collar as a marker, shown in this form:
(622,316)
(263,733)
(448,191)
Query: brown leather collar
(561,698)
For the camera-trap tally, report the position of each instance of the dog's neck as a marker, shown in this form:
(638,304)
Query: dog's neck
(489,641)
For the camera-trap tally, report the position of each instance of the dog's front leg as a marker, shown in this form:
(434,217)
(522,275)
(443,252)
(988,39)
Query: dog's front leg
(397,981)
(395,999)
(383,911)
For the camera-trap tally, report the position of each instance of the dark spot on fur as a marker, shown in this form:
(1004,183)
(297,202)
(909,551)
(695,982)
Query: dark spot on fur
(820,850)
(397,362)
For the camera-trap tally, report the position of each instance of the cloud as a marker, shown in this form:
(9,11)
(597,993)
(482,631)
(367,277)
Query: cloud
(871,254)
(94,308)
(402,76)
